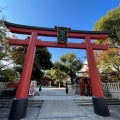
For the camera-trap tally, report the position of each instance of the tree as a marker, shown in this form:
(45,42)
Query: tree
(111,22)
(42,59)
(57,74)
(110,58)
(70,64)
(10,74)
(5,48)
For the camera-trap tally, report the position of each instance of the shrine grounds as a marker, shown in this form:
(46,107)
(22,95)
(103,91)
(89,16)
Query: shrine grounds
(59,106)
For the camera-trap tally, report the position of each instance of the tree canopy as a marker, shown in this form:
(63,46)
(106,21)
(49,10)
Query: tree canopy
(110,58)
(16,54)
(42,59)
(7,73)
(70,64)
(58,75)
(4,47)
(111,22)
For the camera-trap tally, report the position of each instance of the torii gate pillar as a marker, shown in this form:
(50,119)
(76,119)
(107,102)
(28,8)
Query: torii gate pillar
(99,102)
(19,105)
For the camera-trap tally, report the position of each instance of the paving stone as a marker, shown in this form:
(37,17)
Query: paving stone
(63,106)
(95,118)
(59,108)
(88,111)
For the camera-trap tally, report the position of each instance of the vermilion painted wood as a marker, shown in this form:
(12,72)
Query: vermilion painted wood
(94,76)
(54,33)
(18,42)
(41,43)
(99,47)
(24,83)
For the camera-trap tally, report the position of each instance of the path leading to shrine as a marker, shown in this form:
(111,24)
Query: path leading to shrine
(58,94)
(58,106)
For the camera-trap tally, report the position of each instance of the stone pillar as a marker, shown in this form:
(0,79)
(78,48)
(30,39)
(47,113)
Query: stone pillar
(76,88)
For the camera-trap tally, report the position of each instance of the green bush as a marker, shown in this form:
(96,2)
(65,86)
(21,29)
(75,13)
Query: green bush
(10,75)
(4,79)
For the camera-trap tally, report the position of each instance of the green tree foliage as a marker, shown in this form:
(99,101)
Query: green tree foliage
(42,59)
(18,54)
(10,74)
(5,48)
(37,73)
(111,22)
(70,64)
(111,57)
(57,74)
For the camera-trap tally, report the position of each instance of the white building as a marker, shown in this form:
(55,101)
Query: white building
(83,72)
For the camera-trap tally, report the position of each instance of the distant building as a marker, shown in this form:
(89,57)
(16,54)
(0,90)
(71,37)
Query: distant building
(84,71)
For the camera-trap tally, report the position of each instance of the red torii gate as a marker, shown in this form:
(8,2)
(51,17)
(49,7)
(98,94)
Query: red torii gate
(99,102)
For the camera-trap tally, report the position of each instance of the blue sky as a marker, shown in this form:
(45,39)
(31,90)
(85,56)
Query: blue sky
(76,14)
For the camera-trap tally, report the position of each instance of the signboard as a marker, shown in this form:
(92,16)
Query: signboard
(32,89)
(62,34)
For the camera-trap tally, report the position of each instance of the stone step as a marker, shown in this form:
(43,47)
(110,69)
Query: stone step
(89,102)
(111,99)
(5,102)
(83,102)
(116,103)
(35,103)
(31,103)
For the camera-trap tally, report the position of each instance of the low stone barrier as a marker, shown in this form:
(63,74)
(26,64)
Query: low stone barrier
(113,89)
(3,85)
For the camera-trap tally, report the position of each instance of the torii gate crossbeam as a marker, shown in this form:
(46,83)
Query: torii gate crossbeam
(99,102)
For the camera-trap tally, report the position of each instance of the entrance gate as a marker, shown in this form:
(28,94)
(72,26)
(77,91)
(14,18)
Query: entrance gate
(19,105)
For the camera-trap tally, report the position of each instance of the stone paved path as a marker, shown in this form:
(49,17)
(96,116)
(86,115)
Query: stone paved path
(58,106)
(59,109)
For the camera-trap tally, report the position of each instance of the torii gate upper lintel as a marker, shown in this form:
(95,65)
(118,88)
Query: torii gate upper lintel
(22,90)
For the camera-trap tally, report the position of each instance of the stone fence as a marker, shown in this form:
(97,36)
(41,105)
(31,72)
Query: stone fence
(3,85)
(113,89)
(111,86)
